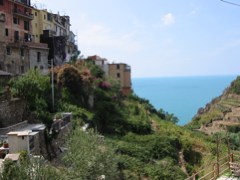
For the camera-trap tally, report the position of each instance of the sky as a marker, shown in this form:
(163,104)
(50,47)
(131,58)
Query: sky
(157,38)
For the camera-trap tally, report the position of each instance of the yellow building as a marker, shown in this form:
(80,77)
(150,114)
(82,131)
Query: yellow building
(50,28)
(121,72)
(43,20)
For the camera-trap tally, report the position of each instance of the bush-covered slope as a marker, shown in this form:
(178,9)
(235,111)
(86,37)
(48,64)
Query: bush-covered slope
(130,138)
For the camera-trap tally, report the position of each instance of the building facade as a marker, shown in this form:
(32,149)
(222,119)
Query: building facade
(121,72)
(100,62)
(24,141)
(54,30)
(16,36)
(43,20)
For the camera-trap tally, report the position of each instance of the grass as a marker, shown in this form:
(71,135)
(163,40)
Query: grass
(230,102)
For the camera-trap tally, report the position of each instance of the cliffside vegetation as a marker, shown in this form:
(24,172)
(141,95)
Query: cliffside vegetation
(127,137)
(221,116)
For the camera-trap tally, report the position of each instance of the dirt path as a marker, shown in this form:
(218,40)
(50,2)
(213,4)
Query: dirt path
(182,162)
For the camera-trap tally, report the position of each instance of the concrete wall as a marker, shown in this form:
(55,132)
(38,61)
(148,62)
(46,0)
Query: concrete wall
(34,144)
(11,112)
(15,63)
(18,143)
(41,64)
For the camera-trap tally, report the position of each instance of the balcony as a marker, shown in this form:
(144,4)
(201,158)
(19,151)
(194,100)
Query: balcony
(23,2)
(20,13)
(127,68)
(49,33)
(36,45)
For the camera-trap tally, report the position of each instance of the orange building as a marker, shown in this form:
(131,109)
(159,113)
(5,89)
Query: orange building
(121,72)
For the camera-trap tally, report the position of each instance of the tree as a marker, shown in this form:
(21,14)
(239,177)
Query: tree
(88,157)
(74,84)
(167,116)
(34,88)
(32,169)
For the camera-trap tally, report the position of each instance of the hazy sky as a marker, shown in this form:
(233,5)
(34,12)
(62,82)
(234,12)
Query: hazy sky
(157,37)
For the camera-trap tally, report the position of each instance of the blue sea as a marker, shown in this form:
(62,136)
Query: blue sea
(182,96)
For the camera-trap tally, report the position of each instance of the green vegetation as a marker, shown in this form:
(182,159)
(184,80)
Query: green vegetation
(219,106)
(88,157)
(129,139)
(27,169)
(235,86)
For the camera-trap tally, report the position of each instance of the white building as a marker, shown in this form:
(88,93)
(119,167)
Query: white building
(24,141)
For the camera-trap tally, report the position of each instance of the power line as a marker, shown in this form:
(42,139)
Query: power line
(235,4)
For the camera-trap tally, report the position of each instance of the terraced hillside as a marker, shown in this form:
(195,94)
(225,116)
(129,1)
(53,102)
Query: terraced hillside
(221,114)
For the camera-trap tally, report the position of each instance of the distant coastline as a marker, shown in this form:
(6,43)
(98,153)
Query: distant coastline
(182,95)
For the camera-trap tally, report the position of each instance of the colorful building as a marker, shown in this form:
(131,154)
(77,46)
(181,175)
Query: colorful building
(43,20)
(18,52)
(121,72)
(54,30)
(100,62)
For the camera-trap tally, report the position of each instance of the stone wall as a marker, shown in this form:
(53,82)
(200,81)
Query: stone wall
(11,112)
(63,134)
(15,127)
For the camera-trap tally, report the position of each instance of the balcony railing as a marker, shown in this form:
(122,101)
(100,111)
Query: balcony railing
(24,2)
(22,14)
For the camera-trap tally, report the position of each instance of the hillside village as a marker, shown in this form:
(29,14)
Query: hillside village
(49,98)
(32,38)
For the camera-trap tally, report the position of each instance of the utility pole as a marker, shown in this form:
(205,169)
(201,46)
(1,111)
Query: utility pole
(228,2)
(52,86)
(52,74)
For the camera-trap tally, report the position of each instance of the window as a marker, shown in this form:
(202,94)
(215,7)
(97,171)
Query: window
(44,16)
(22,69)
(49,17)
(16,36)
(36,25)
(41,67)
(118,75)
(35,13)
(27,37)
(8,68)
(1,2)
(8,49)
(6,32)
(38,56)
(16,21)
(26,25)
(22,137)
(22,52)
(118,66)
